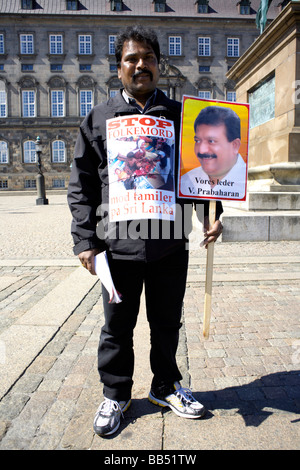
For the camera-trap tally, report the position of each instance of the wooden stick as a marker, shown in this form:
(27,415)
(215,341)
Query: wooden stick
(209,273)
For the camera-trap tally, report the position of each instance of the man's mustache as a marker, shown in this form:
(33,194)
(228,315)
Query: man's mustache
(206,155)
(142,72)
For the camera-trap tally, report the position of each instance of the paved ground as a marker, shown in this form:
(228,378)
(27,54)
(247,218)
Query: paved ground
(247,373)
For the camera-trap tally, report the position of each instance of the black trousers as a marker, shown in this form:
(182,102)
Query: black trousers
(165,282)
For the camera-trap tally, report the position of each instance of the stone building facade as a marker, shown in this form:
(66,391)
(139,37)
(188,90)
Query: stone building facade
(57,61)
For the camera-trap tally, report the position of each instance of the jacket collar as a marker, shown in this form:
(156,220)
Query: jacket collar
(161,103)
(132,101)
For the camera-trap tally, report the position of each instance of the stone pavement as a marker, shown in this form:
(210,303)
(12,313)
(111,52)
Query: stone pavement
(247,373)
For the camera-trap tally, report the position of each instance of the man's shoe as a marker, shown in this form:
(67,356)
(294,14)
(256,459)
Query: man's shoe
(181,401)
(108,416)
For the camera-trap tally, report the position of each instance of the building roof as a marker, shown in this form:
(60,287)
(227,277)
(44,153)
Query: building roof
(175,8)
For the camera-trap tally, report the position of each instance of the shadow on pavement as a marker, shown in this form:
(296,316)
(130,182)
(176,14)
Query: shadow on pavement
(255,401)
(258,399)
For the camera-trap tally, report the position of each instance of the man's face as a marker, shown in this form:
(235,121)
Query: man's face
(215,153)
(138,70)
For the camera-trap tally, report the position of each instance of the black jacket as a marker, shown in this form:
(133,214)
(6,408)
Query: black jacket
(88,190)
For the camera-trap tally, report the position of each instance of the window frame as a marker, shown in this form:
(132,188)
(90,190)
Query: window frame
(111,44)
(113,92)
(84,43)
(206,68)
(31,114)
(2,44)
(56,111)
(55,44)
(87,104)
(116,5)
(173,39)
(244,7)
(207,94)
(159,6)
(204,46)
(56,68)
(3,184)
(202,6)
(26,68)
(233,93)
(29,183)
(2,161)
(29,152)
(27,4)
(70,4)
(26,45)
(3,104)
(233,46)
(61,150)
(57,183)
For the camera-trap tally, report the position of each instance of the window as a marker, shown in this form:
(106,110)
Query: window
(55,44)
(58,151)
(231,96)
(3,184)
(27,4)
(3,152)
(26,44)
(29,152)
(205,94)
(86,101)
(204,46)
(244,7)
(28,103)
(111,45)
(56,67)
(85,67)
(204,68)
(84,44)
(27,67)
(3,102)
(233,47)
(113,93)
(113,68)
(1,43)
(159,6)
(29,184)
(72,4)
(174,45)
(57,103)
(116,5)
(58,183)
(202,6)
(245,10)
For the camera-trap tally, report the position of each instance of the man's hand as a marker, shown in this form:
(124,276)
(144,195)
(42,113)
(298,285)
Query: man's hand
(87,259)
(212,234)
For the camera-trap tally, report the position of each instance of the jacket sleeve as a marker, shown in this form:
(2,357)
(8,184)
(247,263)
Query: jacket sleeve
(84,196)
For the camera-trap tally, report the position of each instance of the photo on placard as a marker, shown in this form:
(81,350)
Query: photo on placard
(213,150)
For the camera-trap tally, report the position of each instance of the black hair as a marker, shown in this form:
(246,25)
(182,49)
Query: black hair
(136,33)
(216,115)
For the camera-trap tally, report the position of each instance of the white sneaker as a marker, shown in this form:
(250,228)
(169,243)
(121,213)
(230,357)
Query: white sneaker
(108,416)
(181,401)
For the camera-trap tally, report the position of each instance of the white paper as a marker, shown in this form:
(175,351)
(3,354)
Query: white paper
(103,272)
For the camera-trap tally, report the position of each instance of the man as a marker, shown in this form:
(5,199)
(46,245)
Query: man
(217,142)
(159,263)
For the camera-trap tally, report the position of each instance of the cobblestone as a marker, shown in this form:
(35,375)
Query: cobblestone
(246,373)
